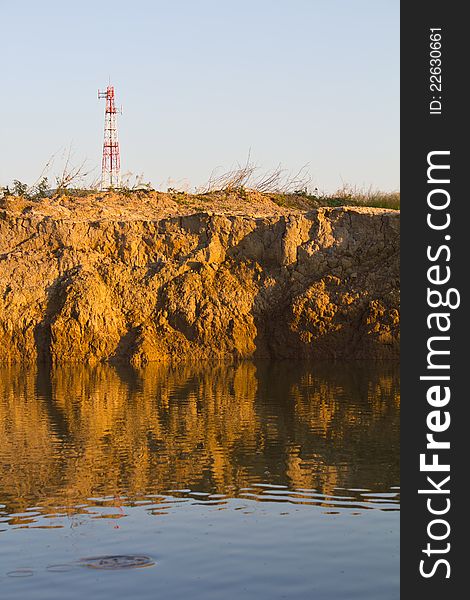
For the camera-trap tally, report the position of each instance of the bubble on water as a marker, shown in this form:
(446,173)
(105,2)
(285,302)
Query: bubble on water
(21,573)
(118,561)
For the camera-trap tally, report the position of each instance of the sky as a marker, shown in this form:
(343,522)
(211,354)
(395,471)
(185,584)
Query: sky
(203,83)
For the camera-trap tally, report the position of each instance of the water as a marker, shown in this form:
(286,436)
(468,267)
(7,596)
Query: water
(266,480)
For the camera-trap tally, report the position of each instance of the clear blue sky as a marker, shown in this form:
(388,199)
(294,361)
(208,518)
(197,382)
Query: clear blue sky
(203,81)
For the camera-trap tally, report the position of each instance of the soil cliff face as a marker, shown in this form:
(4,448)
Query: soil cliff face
(321,284)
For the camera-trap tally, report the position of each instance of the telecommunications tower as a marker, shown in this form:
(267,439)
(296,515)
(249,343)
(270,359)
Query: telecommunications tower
(111,164)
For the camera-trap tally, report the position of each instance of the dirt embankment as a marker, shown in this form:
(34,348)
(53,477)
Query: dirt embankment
(106,278)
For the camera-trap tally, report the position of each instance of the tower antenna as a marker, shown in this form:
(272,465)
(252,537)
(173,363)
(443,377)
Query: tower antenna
(111,163)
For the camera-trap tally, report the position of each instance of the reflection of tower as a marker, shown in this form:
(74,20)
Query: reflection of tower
(111,164)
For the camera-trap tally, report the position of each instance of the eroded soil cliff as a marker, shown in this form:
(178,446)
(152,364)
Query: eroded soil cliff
(158,285)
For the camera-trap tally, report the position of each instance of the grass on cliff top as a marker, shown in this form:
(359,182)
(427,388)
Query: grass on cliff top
(303,200)
(238,197)
(345,196)
(242,186)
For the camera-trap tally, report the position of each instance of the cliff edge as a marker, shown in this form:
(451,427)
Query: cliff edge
(140,287)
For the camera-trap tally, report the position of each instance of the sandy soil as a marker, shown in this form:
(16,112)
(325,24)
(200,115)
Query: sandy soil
(152,205)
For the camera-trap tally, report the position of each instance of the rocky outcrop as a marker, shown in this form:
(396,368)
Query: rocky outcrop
(322,284)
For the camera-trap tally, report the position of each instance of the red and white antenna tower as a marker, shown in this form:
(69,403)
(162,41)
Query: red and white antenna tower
(111,164)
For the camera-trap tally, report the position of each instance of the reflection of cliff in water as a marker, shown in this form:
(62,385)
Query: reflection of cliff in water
(76,432)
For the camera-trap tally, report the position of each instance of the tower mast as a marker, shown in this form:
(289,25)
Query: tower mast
(111,163)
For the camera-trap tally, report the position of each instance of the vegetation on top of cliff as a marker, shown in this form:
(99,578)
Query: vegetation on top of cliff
(134,204)
(345,196)
(232,189)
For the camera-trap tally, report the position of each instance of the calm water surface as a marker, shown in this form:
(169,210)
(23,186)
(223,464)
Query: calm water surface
(266,480)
